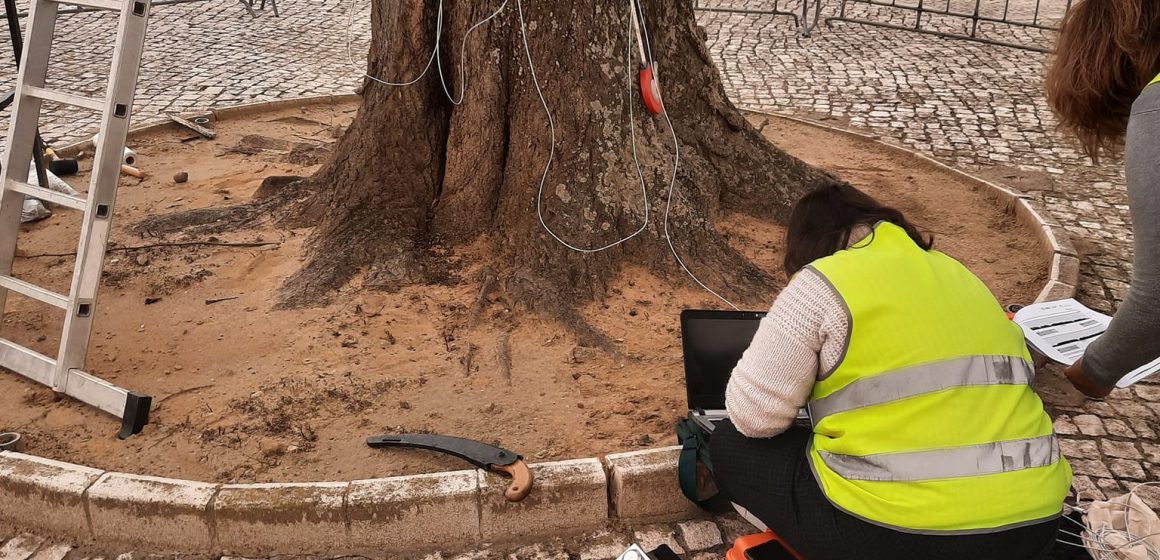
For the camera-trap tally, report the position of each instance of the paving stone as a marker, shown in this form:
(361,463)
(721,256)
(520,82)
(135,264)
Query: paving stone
(1064,425)
(602,546)
(1086,490)
(1151,452)
(1089,425)
(1089,467)
(1147,392)
(1150,493)
(21,547)
(1079,448)
(650,538)
(1142,428)
(700,535)
(1099,408)
(1117,427)
(1121,449)
(538,552)
(734,526)
(1124,468)
(52,552)
(1133,408)
(1110,487)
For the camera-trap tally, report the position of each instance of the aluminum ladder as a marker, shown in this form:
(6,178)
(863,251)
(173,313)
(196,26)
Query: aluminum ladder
(65,372)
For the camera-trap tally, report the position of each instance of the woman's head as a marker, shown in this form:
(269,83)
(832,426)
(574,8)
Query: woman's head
(822,221)
(1108,51)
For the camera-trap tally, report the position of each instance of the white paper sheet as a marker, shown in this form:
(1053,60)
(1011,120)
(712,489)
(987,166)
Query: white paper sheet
(1061,330)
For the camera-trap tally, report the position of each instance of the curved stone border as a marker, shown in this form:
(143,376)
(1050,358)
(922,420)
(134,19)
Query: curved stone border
(233,112)
(1064,274)
(399,514)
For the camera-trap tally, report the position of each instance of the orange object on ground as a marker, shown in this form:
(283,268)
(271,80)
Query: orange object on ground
(742,544)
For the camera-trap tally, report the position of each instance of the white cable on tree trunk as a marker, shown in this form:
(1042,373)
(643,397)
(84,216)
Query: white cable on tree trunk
(645,47)
(552,145)
(632,128)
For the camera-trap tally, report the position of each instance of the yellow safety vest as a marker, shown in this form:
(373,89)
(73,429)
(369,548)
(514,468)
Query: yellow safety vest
(929,423)
(1156,81)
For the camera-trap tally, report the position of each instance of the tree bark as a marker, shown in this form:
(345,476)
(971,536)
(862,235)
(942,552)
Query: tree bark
(415,170)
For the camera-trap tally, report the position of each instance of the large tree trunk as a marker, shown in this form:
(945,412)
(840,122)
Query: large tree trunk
(415,170)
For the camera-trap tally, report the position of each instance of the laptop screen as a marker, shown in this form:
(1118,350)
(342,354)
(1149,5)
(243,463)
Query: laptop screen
(713,342)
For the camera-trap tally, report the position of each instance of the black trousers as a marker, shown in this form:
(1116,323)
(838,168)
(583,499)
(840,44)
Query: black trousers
(772,479)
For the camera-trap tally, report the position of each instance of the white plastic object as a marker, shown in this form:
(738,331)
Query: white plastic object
(130,157)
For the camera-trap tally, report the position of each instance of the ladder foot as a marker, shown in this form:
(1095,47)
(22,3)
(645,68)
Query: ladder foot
(136,415)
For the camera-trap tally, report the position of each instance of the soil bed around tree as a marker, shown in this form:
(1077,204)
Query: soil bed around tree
(245,392)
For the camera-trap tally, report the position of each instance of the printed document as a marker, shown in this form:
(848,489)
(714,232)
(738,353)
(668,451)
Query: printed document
(1062,330)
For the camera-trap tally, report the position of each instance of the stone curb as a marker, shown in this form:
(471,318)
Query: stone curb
(643,486)
(233,112)
(398,514)
(1064,272)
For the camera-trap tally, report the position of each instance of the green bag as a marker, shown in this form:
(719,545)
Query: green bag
(694,440)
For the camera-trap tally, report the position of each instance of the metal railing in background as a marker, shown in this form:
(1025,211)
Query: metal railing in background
(985,21)
(247,4)
(805,23)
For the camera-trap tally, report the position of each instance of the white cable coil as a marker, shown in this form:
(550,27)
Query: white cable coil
(1108,542)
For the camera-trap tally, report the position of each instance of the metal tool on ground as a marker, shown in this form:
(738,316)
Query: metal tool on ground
(487,457)
(207,133)
(65,372)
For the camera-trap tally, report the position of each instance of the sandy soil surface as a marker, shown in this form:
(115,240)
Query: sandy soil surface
(246,392)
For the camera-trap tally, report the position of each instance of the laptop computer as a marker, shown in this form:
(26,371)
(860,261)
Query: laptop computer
(712,343)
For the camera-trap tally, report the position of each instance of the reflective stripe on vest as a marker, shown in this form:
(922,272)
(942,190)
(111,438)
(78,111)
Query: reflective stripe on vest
(927,378)
(928,423)
(975,460)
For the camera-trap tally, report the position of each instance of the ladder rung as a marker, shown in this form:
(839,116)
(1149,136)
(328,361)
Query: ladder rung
(33,291)
(97,4)
(66,98)
(26,362)
(66,200)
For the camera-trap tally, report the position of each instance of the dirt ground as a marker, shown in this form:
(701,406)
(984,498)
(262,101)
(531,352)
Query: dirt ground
(244,392)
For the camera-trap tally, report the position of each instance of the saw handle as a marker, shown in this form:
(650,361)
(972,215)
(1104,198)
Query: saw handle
(521,483)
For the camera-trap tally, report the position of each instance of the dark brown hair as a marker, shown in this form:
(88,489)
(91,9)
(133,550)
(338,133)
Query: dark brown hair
(821,223)
(1108,51)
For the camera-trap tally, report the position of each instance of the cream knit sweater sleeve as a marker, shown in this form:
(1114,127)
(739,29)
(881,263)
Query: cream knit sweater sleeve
(803,335)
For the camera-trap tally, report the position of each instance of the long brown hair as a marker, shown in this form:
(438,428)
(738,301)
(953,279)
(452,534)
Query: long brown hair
(1108,51)
(822,221)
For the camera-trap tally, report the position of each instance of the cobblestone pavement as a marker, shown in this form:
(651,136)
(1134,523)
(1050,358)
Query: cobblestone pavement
(976,106)
(199,56)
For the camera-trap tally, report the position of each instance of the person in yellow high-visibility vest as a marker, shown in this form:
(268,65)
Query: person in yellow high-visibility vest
(927,439)
(1103,86)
